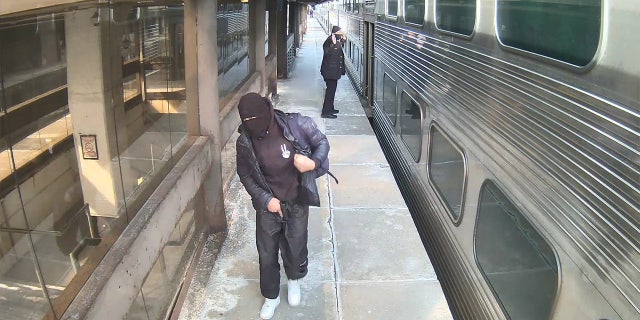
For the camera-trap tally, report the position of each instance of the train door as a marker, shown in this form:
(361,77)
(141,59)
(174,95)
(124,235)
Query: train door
(368,61)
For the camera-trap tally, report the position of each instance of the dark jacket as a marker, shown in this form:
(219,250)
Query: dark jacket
(332,60)
(302,132)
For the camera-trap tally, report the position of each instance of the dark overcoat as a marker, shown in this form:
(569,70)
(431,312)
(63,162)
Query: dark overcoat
(332,60)
(300,131)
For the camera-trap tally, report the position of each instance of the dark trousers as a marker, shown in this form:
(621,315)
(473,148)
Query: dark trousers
(329,95)
(289,235)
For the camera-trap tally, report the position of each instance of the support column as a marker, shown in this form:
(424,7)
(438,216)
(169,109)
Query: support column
(281,31)
(271,68)
(94,77)
(257,38)
(201,54)
(295,23)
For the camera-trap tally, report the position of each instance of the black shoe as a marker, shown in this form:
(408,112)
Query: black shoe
(334,111)
(330,116)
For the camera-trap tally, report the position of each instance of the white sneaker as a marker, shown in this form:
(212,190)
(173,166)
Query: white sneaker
(293,292)
(269,307)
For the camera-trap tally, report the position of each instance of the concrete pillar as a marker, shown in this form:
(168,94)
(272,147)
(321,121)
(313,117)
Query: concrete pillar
(272,77)
(281,30)
(201,55)
(273,24)
(257,38)
(94,77)
(295,23)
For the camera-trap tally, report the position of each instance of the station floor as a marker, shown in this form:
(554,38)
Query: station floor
(366,260)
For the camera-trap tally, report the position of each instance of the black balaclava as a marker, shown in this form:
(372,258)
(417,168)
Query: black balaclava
(335,29)
(256,113)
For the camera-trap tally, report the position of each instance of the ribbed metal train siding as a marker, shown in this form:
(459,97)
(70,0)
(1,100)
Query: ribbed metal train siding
(575,142)
(464,298)
(355,26)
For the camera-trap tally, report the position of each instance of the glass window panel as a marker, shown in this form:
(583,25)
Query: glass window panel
(47,171)
(163,280)
(389,98)
(63,251)
(21,294)
(447,171)
(13,215)
(414,11)
(411,125)
(131,87)
(392,7)
(515,259)
(33,58)
(378,80)
(233,44)
(156,126)
(7,179)
(457,16)
(568,31)
(130,43)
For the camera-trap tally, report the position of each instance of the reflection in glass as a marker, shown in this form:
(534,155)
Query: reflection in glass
(392,7)
(21,295)
(168,271)
(233,45)
(411,125)
(457,16)
(447,171)
(156,125)
(414,11)
(389,98)
(518,263)
(131,87)
(32,59)
(46,196)
(378,80)
(568,31)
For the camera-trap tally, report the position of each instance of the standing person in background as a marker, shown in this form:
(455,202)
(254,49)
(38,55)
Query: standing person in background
(270,169)
(332,69)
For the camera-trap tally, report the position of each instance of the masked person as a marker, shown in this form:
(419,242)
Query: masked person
(270,169)
(332,69)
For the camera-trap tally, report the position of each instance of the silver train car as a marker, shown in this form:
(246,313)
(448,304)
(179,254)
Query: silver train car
(514,130)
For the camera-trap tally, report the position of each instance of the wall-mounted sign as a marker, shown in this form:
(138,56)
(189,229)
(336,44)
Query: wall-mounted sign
(89,146)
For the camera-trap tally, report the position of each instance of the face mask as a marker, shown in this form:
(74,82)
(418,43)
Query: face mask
(256,114)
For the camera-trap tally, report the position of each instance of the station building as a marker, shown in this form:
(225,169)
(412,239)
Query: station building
(113,115)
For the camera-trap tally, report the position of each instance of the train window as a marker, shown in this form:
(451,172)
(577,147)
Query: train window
(411,125)
(457,16)
(517,262)
(568,31)
(414,11)
(447,171)
(377,84)
(392,8)
(389,98)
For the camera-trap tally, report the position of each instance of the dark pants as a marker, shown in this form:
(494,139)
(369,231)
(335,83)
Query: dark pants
(289,235)
(329,95)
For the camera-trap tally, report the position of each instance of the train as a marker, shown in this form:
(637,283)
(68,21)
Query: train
(513,129)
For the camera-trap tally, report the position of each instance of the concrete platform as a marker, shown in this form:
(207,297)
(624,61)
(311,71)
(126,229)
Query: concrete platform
(366,260)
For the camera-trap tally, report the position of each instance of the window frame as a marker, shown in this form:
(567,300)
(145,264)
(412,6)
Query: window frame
(422,120)
(394,121)
(465,172)
(386,10)
(550,60)
(452,33)
(482,189)
(424,14)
